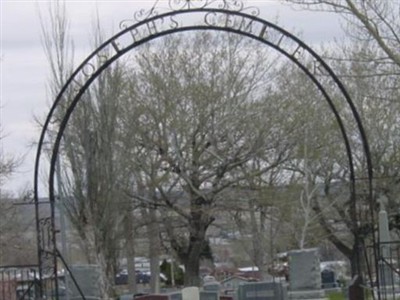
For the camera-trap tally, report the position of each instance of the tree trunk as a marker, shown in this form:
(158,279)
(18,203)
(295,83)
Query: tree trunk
(154,248)
(354,253)
(130,252)
(258,250)
(104,284)
(197,242)
(154,253)
(192,269)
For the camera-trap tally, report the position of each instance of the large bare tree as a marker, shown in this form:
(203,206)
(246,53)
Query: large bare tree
(201,112)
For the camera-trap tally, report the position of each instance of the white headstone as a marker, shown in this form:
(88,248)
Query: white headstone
(191,293)
(386,274)
(384,233)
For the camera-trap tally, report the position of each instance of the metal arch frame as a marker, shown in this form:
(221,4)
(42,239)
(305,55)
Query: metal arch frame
(94,73)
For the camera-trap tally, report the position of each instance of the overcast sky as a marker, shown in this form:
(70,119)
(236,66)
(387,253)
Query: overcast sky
(24,67)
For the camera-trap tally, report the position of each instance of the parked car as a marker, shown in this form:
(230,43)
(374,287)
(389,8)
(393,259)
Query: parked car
(142,278)
(122,277)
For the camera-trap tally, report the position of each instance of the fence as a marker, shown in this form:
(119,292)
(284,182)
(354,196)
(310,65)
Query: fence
(19,282)
(384,281)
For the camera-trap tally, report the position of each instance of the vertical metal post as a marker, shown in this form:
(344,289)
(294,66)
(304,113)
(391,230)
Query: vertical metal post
(63,232)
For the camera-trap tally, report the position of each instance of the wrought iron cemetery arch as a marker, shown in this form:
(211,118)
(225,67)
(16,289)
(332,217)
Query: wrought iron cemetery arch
(219,15)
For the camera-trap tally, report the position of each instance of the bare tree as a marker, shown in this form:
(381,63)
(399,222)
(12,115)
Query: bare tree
(8,163)
(11,223)
(89,176)
(17,236)
(200,109)
(95,172)
(318,172)
(256,225)
(371,20)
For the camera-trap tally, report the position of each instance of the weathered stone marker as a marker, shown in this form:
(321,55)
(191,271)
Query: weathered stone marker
(262,291)
(305,274)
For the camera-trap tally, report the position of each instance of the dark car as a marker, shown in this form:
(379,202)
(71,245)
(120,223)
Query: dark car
(142,278)
(122,278)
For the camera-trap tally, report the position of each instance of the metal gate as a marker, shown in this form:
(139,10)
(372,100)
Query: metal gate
(181,16)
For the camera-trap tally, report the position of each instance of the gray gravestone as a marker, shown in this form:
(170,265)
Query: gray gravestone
(87,277)
(262,291)
(175,296)
(211,286)
(305,274)
(126,297)
(328,279)
(209,295)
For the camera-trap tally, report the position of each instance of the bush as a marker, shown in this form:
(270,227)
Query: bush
(165,268)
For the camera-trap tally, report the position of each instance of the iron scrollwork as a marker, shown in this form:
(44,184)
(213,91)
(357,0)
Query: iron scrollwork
(45,232)
(180,5)
(233,5)
(188,4)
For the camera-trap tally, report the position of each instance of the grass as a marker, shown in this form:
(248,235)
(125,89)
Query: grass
(340,296)
(336,296)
